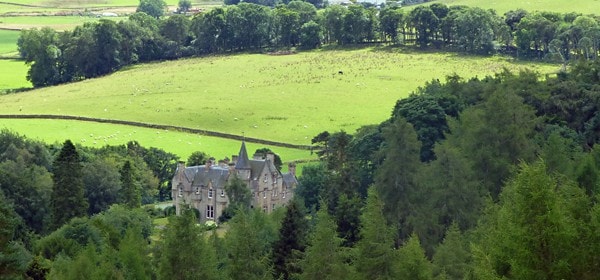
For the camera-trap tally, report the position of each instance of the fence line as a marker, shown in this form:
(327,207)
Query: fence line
(161,126)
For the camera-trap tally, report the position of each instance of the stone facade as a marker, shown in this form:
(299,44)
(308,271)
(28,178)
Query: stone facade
(203,187)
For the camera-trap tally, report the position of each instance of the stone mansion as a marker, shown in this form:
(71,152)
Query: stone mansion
(203,187)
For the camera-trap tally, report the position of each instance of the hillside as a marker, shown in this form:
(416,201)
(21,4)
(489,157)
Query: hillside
(288,98)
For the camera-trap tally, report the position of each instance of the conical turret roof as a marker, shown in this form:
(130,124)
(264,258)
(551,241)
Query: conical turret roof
(243,162)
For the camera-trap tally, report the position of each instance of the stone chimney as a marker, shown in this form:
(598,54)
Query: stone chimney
(271,157)
(209,163)
(257,157)
(292,168)
(179,172)
(234,159)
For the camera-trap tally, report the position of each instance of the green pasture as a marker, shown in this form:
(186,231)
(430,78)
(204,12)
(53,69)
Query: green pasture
(502,6)
(55,22)
(8,42)
(13,75)
(99,134)
(286,98)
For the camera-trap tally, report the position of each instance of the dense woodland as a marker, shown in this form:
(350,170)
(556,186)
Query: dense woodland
(491,178)
(96,49)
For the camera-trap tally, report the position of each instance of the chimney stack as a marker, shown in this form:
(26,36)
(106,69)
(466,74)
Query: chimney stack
(292,168)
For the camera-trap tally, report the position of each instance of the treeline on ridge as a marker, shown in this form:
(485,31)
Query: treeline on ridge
(96,49)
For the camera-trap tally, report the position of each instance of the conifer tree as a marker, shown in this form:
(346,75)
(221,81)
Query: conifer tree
(376,257)
(247,252)
(287,250)
(324,258)
(68,199)
(184,253)
(452,256)
(130,189)
(413,264)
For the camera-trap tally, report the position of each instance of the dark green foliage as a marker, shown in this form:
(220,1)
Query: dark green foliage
(29,187)
(197,158)
(184,253)
(375,253)
(68,199)
(184,6)
(288,249)
(310,35)
(13,256)
(396,178)
(452,256)
(155,8)
(311,185)
(412,262)
(239,195)
(537,231)
(248,245)
(130,190)
(325,258)
(264,153)
(102,184)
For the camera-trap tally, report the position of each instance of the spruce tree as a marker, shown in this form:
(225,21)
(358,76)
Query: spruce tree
(68,200)
(287,250)
(130,189)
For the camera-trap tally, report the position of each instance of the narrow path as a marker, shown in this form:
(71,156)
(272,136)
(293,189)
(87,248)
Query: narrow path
(160,126)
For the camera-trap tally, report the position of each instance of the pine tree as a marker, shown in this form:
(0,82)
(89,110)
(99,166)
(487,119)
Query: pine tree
(68,199)
(324,258)
(130,190)
(376,257)
(287,250)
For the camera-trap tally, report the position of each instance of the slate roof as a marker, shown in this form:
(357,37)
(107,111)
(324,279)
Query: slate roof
(243,162)
(289,179)
(201,177)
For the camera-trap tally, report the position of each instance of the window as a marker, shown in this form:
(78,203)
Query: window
(222,192)
(210,212)
(265,208)
(265,193)
(283,194)
(180,191)
(265,180)
(273,207)
(274,192)
(210,193)
(197,190)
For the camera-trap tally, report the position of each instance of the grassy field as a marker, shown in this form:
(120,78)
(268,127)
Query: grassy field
(288,98)
(502,6)
(8,42)
(13,75)
(54,22)
(98,135)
